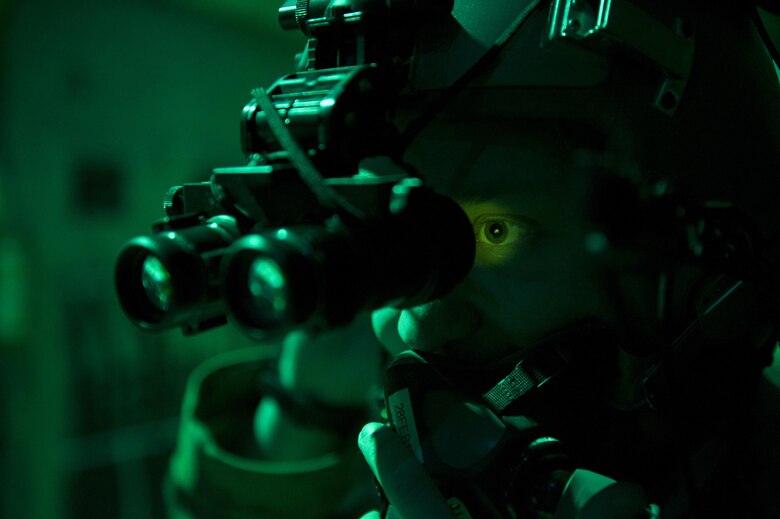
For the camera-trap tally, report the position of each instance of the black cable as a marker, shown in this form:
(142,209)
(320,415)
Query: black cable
(416,126)
(308,172)
(770,46)
(326,195)
(772,6)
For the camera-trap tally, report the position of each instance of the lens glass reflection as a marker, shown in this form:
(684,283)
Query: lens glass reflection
(267,286)
(157,283)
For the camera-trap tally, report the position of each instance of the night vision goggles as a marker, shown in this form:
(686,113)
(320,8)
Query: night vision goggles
(301,236)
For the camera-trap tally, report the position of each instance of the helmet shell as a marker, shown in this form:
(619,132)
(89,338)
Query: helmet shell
(720,143)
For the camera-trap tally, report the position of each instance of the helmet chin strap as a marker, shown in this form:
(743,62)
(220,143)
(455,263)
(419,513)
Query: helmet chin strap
(504,385)
(548,359)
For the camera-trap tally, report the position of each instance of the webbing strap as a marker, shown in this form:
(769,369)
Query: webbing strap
(529,374)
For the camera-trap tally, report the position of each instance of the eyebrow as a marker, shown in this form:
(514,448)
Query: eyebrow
(507,198)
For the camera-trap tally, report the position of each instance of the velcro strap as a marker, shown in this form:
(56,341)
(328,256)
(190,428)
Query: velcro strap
(528,375)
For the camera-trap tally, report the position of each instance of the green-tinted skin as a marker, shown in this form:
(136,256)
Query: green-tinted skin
(533,272)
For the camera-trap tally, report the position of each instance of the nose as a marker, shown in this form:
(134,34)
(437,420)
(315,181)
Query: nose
(429,326)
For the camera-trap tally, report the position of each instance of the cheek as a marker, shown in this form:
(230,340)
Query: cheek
(385,324)
(538,292)
(517,305)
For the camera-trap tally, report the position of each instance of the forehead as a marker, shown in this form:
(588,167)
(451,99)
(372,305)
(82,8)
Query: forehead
(475,160)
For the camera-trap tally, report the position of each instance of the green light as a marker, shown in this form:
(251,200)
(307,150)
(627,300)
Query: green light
(157,283)
(596,242)
(267,286)
(541,441)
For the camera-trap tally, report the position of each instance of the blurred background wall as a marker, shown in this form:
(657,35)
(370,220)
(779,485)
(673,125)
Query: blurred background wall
(104,106)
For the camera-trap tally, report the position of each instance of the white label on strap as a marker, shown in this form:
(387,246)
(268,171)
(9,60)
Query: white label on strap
(402,417)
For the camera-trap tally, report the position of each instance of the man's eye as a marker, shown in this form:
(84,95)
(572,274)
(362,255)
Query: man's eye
(502,230)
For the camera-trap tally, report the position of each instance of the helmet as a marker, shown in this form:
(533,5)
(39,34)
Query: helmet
(678,89)
(673,109)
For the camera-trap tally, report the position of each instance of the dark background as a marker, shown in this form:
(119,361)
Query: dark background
(105,104)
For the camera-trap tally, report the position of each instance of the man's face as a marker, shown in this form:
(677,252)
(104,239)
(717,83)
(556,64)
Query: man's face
(532,273)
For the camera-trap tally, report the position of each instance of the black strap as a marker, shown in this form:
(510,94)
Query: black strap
(326,195)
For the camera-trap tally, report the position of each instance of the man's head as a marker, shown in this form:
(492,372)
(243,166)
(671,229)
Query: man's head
(533,271)
(522,146)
